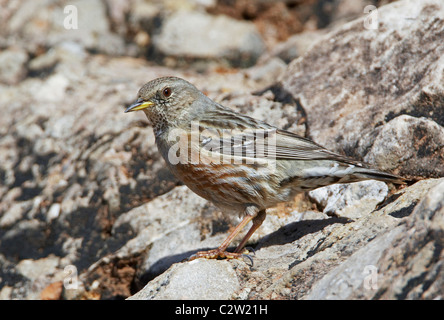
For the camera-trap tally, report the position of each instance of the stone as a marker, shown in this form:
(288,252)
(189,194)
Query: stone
(357,273)
(184,35)
(417,253)
(197,280)
(34,269)
(12,65)
(84,22)
(295,46)
(275,20)
(53,212)
(157,219)
(14,214)
(53,89)
(350,200)
(411,265)
(406,137)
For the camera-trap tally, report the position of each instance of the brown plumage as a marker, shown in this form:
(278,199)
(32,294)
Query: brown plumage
(239,163)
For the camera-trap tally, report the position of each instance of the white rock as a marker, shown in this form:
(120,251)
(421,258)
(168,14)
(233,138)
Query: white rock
(53,89)
(12,65)
(200,35)
(351,200)
(197,280)
(34,269)
(53,212)
(407,137)
(14,214)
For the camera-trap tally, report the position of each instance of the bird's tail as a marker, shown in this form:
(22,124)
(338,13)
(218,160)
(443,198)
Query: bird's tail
(360,174)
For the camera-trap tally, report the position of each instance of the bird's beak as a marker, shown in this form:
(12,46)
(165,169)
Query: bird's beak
(139,105)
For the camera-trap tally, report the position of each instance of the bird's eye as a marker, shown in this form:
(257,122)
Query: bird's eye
(166,92)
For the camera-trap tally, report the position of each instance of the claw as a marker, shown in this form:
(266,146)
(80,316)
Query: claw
(190,258)
(249,258)
(250,250)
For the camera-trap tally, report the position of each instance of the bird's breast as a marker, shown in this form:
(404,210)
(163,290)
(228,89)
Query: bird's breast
(221,178)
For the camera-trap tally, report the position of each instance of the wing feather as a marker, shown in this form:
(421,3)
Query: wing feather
(247,137)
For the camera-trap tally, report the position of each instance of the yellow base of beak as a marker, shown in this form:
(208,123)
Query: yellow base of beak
(139,105)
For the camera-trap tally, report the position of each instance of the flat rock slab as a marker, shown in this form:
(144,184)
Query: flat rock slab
(199,279)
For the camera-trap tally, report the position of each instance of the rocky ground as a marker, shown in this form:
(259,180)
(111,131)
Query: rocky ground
(89,211)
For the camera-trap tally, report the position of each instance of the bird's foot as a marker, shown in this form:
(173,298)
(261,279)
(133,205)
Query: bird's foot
(215,254)
(219,254)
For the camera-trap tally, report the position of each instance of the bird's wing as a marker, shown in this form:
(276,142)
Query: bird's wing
(229,133)
(294,147)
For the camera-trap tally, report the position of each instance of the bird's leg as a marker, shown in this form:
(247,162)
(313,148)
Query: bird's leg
(221,253)
(257,222)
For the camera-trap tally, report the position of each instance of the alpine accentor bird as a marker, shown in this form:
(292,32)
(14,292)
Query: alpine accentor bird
(239,163)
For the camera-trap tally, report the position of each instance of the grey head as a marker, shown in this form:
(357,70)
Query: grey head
(169,101)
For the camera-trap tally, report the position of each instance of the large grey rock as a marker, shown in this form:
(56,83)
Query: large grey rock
(84,22)
(414,247)
(199,279)
(195,35)
(358,80)
(406,137)
(357,272)
(422,274)
(339,199)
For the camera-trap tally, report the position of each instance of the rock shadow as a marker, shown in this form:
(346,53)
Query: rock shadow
(296,230)
(286,234)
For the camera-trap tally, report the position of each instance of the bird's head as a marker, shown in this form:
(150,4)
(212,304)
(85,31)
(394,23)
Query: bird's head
(166,101)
